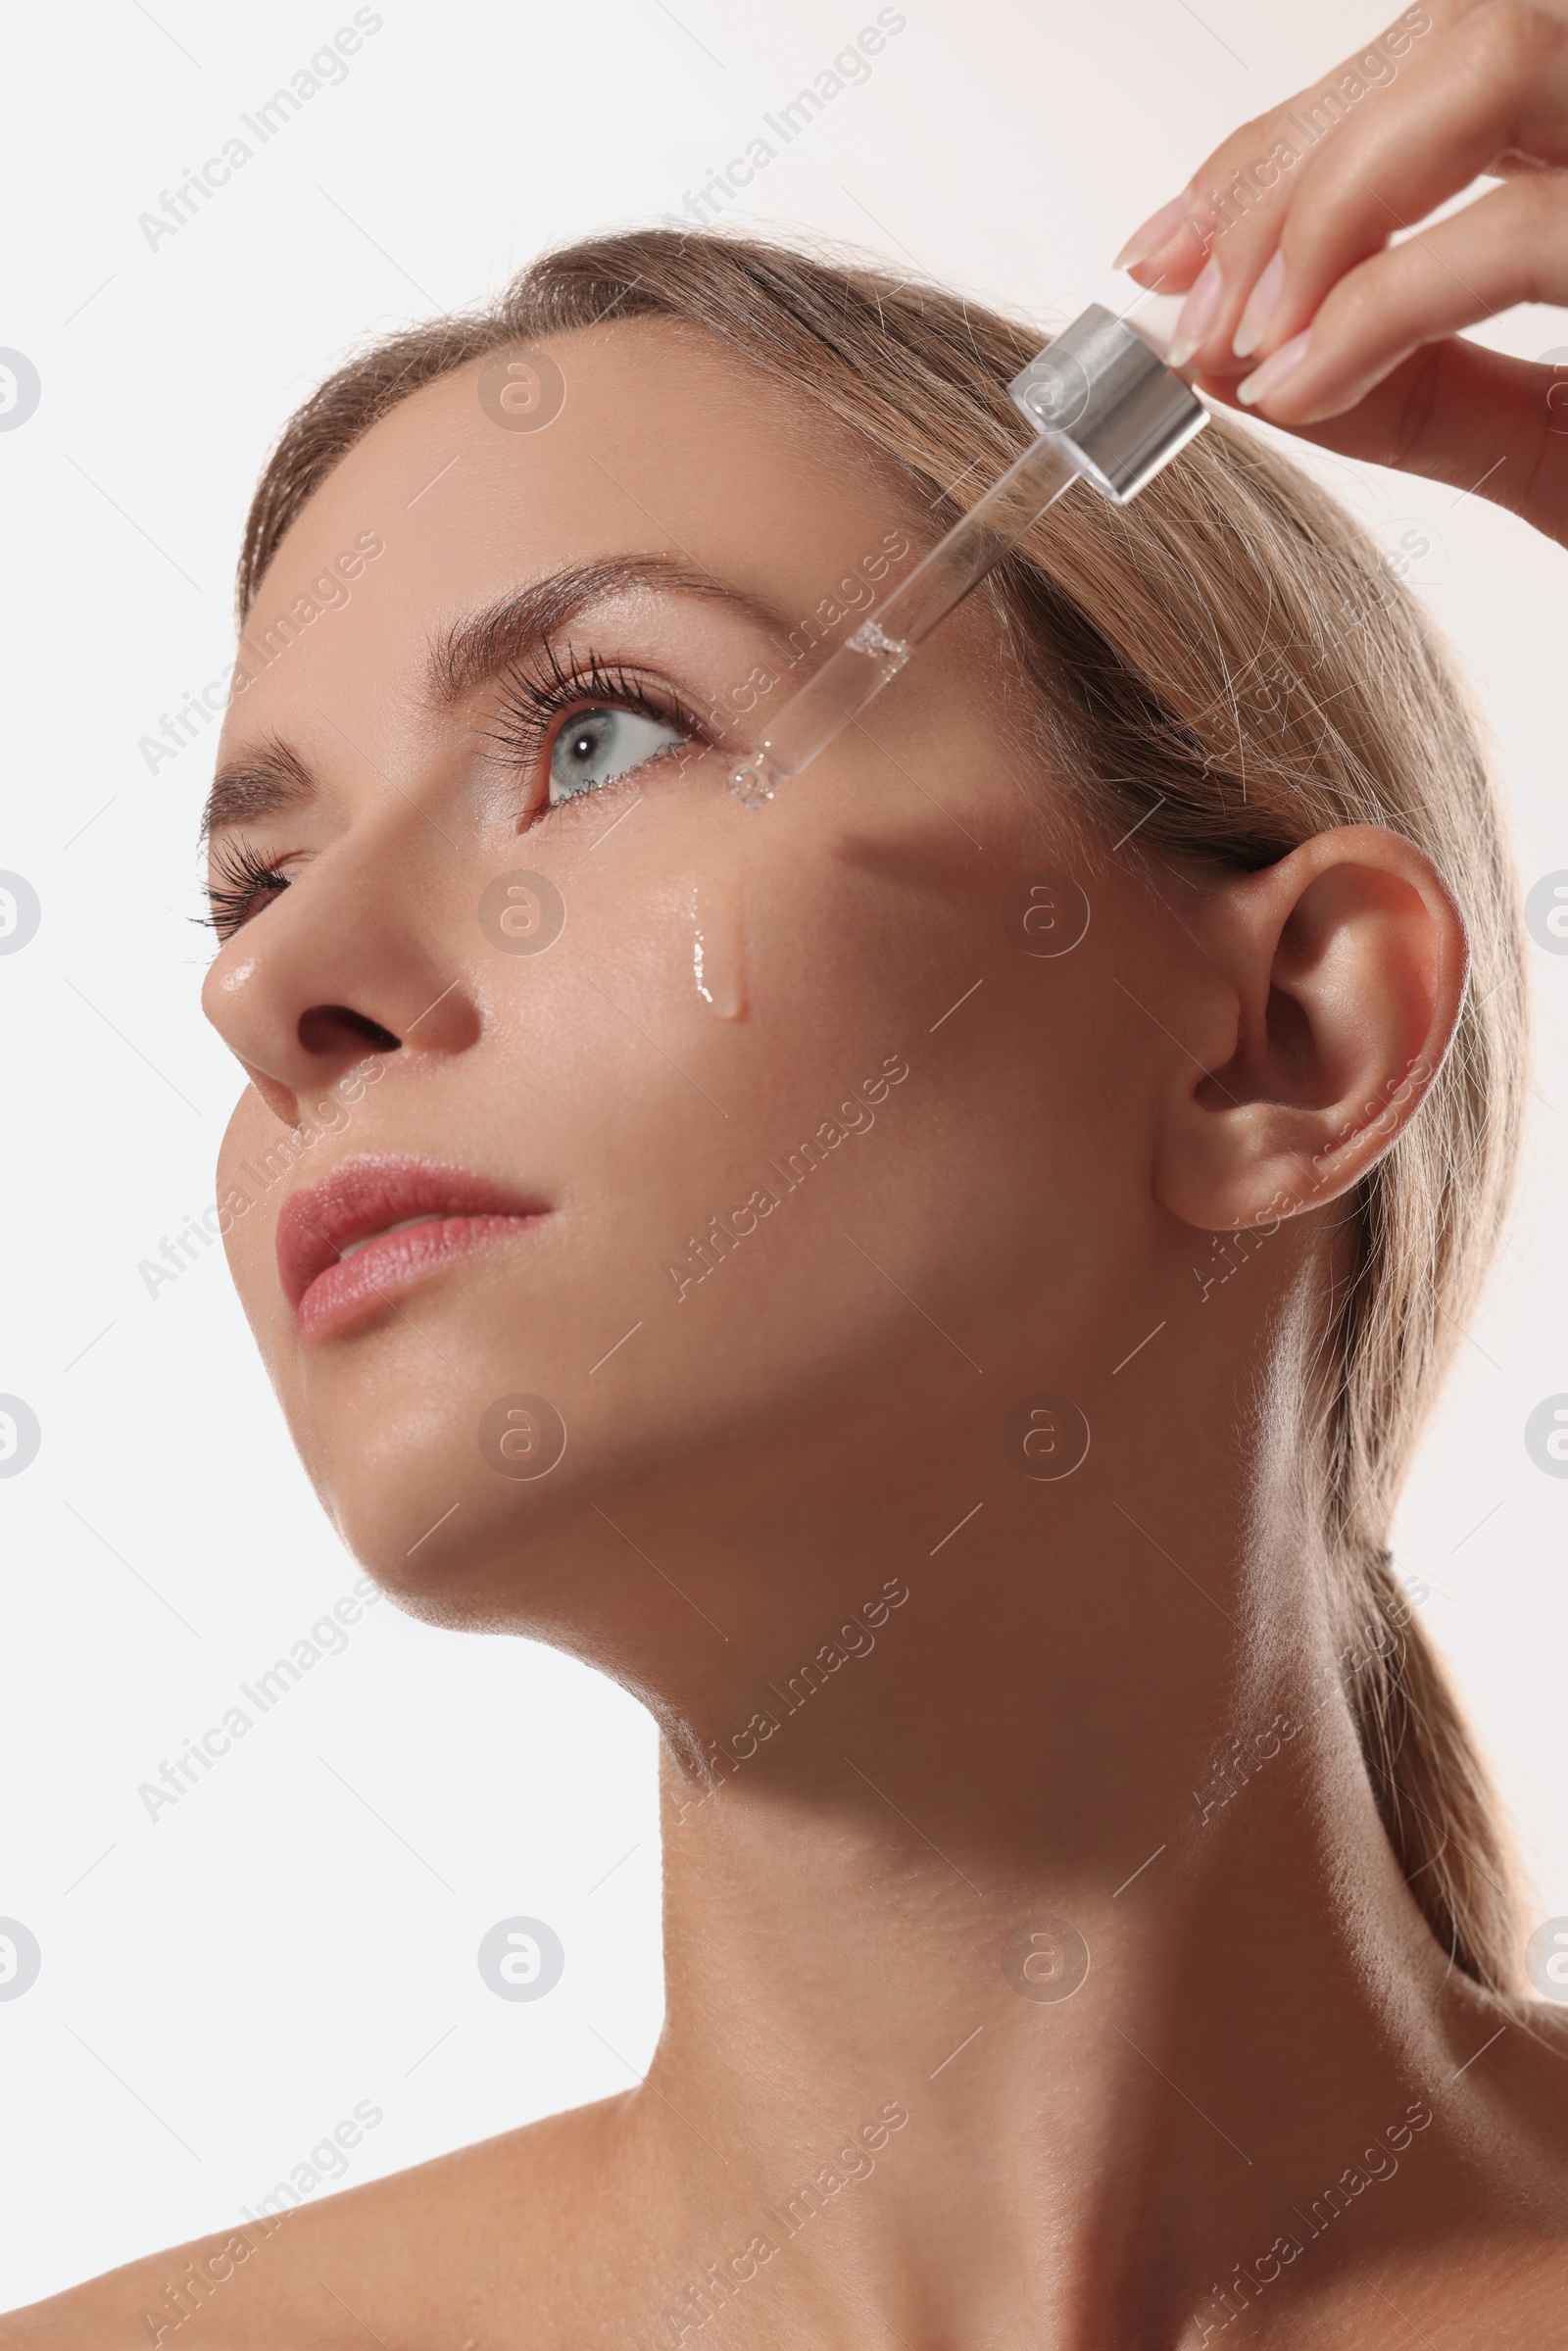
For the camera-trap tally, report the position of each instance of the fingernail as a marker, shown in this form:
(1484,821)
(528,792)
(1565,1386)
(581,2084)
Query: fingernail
(1261,303)
(1156,232)
(1199,313)
(1267,379)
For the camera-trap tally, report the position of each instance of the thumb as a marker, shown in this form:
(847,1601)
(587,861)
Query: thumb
(1456,413)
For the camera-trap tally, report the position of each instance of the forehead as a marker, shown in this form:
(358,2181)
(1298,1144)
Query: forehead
(664,443)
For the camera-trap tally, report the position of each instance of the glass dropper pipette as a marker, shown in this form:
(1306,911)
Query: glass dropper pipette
(1105,407)
(879,648)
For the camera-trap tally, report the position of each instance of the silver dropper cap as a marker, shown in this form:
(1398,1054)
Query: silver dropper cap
(1112,399)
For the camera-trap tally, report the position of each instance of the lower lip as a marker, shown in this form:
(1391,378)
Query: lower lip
(364,1284)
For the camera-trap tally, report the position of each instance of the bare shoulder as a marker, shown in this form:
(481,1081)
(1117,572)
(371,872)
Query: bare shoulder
(1487,2263)
(1536,2045)
(1504,2292)
(426,2256)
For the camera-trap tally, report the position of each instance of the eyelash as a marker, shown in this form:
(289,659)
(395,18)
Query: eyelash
(534,696)
(241,877)
(532,699)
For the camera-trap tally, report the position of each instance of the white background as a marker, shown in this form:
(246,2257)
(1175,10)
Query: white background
(298,1935)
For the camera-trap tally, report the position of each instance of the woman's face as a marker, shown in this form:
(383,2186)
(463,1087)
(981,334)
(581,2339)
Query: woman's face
(748,1167)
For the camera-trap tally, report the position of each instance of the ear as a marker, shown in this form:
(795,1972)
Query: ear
(1337,979)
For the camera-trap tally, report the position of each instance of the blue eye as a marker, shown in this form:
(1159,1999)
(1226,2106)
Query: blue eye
(595,746)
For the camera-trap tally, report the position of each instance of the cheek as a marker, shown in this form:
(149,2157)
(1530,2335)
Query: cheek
(869,963)
(722,984)
(1004,1162)
(255,1165)
(758,997)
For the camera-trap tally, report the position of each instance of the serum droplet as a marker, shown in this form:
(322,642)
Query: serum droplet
(717,953)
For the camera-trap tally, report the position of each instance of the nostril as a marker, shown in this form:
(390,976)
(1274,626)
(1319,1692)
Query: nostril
(333,1028)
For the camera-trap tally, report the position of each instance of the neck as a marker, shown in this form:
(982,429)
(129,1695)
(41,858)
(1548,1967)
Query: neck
(1036,1958)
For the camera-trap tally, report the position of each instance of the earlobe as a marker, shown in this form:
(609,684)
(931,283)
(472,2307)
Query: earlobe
(1339,976)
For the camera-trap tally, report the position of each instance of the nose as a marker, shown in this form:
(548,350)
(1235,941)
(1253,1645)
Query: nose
(354,958)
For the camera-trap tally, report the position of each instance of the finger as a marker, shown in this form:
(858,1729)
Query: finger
(1241,192)
(1509,246)
(1167,252)
(1501,77)
(1496,74)
(1460,414)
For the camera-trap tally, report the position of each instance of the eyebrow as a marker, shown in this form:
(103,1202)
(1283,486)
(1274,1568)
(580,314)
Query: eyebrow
(476,650)
(472,653)
(260,783)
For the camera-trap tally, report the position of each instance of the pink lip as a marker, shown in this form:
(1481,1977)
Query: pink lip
(461,1214)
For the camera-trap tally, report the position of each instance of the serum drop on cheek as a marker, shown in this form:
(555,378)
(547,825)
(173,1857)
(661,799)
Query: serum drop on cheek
(719,954)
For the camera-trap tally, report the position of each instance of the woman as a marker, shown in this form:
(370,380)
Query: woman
(934,1286)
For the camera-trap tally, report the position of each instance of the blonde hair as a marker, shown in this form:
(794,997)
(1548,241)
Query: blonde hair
(1229,663)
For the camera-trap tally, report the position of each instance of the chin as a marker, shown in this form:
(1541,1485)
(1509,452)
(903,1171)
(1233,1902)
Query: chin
(459,1509)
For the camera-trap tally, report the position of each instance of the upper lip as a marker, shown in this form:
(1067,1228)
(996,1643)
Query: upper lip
(367,1195)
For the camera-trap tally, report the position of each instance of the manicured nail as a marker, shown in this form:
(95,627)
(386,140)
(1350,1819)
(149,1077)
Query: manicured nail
(1261,303)
(1199,313)
(1265,381)
(1156,233)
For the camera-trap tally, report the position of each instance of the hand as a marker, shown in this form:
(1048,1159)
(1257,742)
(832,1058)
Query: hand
(1301,308)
